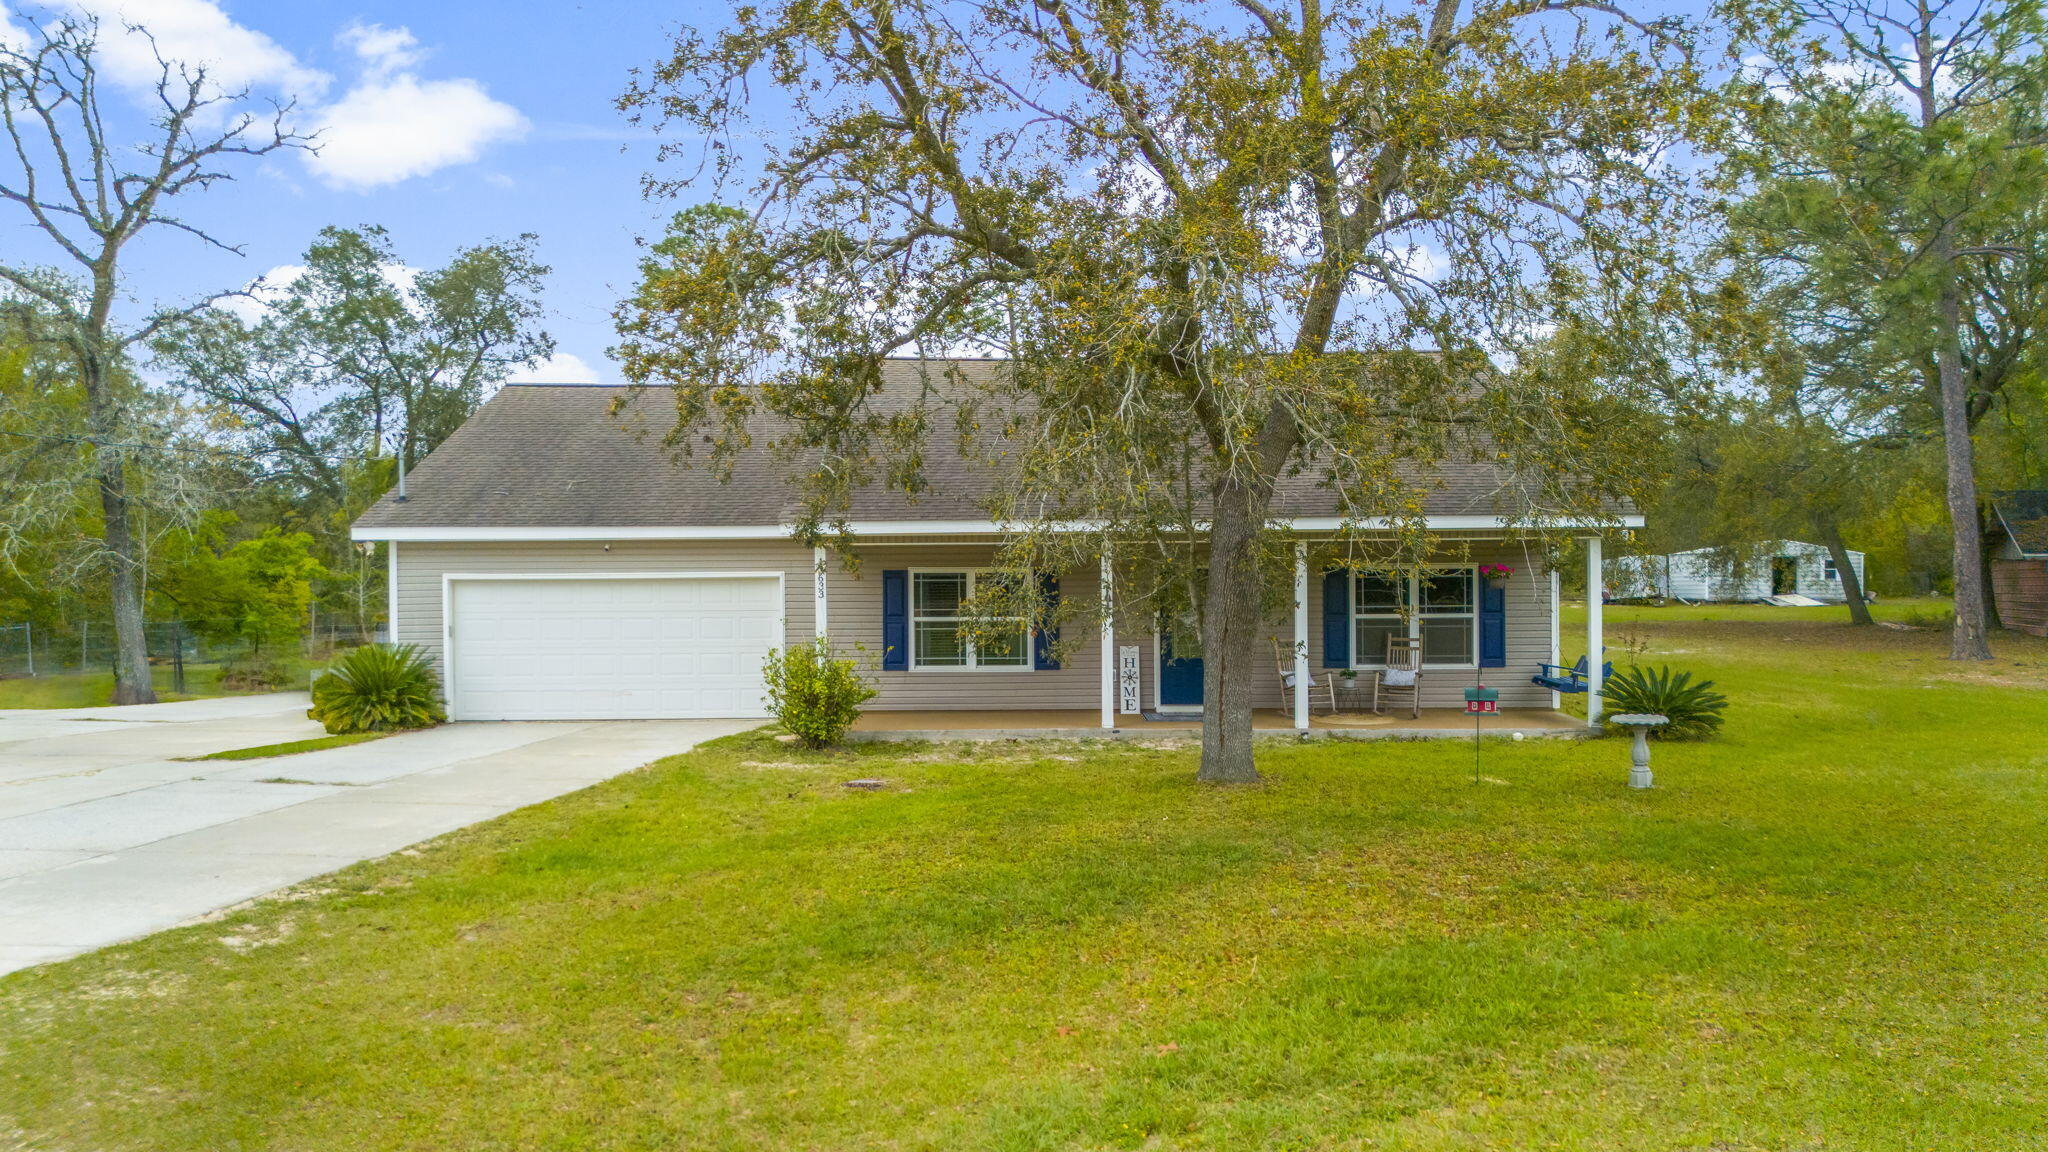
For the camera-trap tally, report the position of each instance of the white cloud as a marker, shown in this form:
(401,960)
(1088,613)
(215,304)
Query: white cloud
(561,368)
(392,125)
(382,50)
(194,33)
(389,126)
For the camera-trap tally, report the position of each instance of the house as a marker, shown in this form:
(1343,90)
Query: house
(2019,559)
(557,563)
(1774,568)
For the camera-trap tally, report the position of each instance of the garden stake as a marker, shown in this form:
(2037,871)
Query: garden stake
(1479,702)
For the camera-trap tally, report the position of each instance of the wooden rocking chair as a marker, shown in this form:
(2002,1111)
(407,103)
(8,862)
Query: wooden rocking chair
(1403,674)
(1283,662)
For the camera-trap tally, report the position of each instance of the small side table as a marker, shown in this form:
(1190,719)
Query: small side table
(1640,723)
(1354,695)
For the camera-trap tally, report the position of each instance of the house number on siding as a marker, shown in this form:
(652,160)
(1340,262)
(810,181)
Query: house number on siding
(1127,679)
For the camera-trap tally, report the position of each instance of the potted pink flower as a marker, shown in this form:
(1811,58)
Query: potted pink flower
(1496,575)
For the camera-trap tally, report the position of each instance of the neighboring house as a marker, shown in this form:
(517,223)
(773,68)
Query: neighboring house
(2019,559)
(1775,568)
(558,567)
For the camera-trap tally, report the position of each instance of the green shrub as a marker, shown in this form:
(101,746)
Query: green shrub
(378,688)
(255,672)
(1695,709)
(815,695)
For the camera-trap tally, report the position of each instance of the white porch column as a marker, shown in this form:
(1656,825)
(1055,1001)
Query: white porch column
(818,604)
(1108,643)
(391,592)
(1596,633)
(1556,634)
(1301,636)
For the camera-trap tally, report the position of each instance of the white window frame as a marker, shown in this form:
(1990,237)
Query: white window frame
(1413,617)
(1828,572)
(973,664)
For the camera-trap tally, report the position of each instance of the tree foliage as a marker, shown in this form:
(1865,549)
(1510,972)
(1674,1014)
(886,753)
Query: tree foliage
(1886,179)
(252,591)
(330,379)
(359,355)
(1218,247)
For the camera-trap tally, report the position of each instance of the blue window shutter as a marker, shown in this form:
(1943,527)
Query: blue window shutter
(1337,618)
(1043,639)
(896,620)
(1493,626)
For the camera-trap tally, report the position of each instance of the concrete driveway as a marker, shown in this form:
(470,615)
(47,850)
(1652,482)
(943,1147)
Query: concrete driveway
(105,835)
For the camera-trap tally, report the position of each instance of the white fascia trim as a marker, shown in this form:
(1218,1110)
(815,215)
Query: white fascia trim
(889,528)
(1457,523)
(519,535)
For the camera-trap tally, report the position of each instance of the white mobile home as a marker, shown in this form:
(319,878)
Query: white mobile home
(1772,568)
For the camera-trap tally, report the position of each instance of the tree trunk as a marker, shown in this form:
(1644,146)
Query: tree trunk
(1230,636)
(124,571)
(1968,640)
(1852,584)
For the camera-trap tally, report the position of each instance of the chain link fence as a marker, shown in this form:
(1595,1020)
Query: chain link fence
(28,649)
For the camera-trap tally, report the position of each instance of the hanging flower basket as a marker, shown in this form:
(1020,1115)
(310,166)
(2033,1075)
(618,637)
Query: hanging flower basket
(1496,575)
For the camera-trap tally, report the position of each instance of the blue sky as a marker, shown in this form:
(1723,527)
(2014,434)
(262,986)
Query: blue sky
(449,123)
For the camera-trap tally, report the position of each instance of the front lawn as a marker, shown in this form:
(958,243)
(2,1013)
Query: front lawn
(96,689)
(1828,930)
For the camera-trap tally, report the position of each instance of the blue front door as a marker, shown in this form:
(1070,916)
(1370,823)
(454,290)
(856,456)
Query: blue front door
(1180,677)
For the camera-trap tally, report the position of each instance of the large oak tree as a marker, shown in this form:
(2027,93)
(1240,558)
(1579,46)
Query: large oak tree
(1211,243)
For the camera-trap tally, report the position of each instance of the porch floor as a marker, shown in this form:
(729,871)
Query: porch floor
(1081,723)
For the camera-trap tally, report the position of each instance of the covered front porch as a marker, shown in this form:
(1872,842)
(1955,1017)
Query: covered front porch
(1054,723)
(1123,676)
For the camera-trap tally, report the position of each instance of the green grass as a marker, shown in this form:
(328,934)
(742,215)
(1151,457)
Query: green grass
(1919,611)
(96,689)
(1823,931)
(292,747)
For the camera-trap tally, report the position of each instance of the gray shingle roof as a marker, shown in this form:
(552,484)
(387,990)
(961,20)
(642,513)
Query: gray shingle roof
(556,456)
(2024,512)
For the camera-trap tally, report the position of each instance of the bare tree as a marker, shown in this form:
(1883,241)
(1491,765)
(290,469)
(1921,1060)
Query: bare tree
(91,196)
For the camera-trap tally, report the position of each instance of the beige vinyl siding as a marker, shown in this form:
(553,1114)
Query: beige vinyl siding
(422,566)
(854,607)
(855,613)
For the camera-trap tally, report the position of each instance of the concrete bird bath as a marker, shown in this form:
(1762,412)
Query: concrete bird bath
(1640,724)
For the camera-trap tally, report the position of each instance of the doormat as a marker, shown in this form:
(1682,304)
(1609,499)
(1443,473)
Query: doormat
(1172,717)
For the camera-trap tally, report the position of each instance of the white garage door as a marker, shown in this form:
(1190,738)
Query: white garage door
(631,649)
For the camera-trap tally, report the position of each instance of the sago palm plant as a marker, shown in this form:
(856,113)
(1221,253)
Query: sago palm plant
(1694,708)
(378,688)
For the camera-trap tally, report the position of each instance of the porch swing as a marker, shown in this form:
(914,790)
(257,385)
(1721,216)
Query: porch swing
(1574,679)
